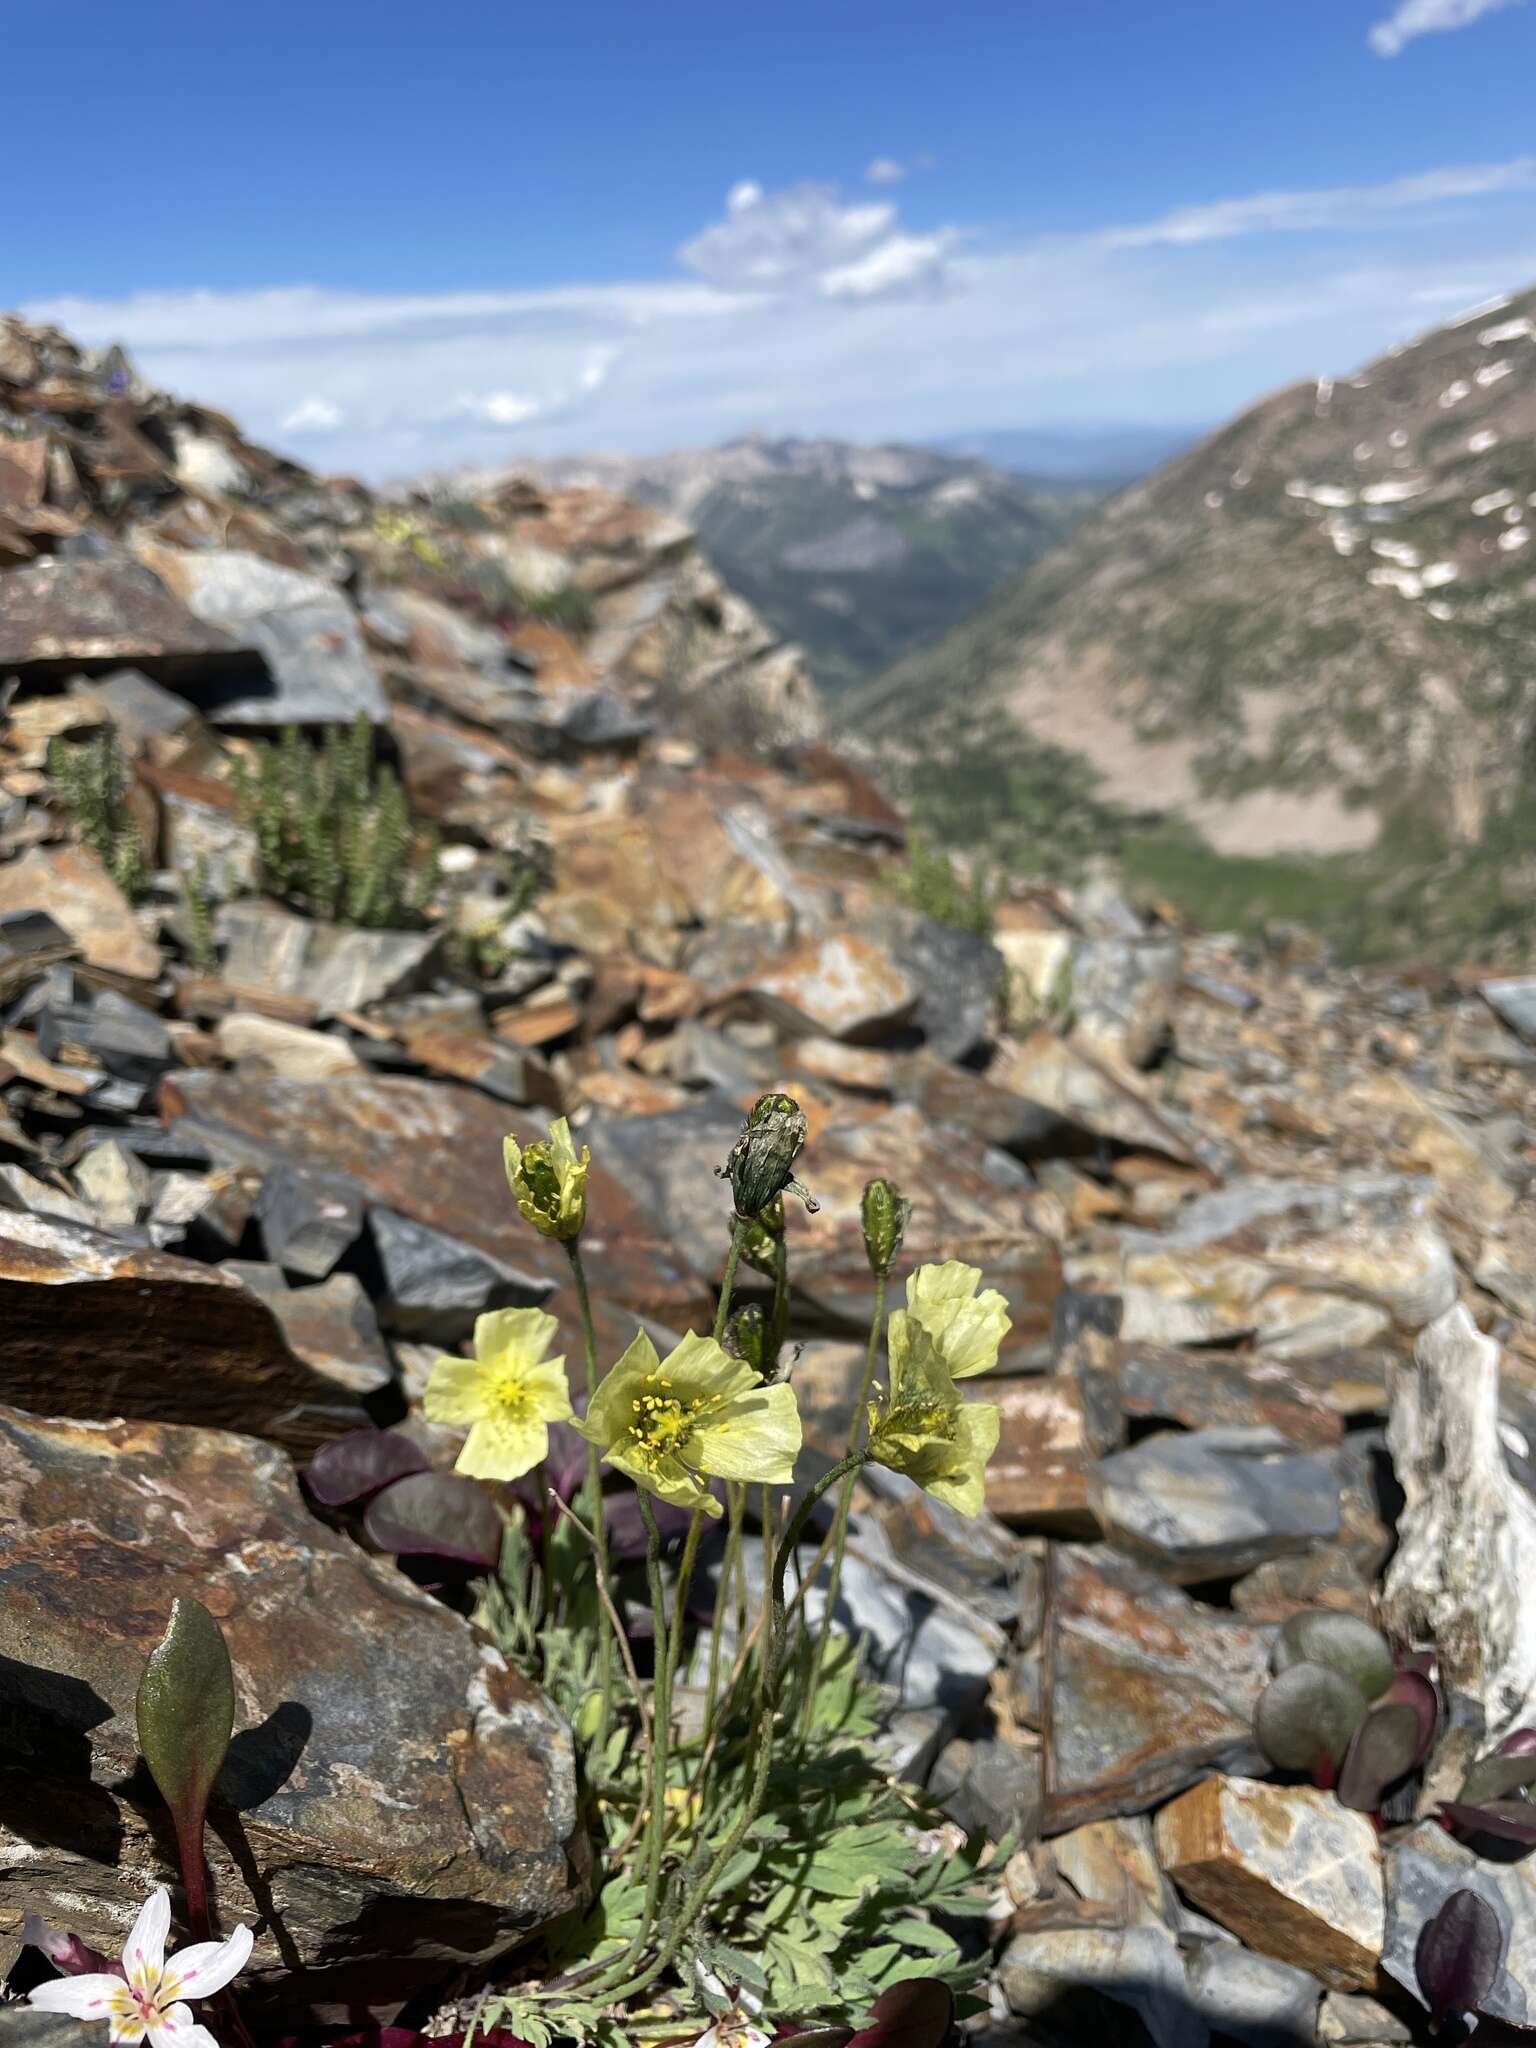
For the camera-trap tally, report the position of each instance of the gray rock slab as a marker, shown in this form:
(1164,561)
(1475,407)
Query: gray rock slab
(304,630)
(1207,1503)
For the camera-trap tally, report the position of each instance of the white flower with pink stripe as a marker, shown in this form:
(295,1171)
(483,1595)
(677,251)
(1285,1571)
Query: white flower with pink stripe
(151,2004)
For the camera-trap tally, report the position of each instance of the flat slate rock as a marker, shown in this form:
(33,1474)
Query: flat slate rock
(1423,1868)
(61,615)
(408,1814)
(303,628)
(94,1328)
(70,884)
(1146,1690)
(1208,1503)
(334,967)
(432,1151)
(1513,1002)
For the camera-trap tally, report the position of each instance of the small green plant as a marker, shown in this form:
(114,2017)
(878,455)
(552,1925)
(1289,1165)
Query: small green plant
(1496,1796)
(933,884)
(398,530)
(197,904)
(93,781)
(570,608)
(484,947)
(333,829)
(757,1853)
(1340,1708)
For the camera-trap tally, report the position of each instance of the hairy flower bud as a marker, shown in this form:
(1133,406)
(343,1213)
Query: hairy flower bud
(746,1337)
(884,1212)
(762,1162)
(763,1238)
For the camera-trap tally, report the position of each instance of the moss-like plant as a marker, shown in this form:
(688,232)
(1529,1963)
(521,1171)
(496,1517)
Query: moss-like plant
(91,778)
(933,884)
(333,830)
(197,904)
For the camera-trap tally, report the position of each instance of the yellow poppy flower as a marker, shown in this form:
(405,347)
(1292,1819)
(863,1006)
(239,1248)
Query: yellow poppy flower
(508,1394)
(925,1430)
(967,1327)
(672,1424)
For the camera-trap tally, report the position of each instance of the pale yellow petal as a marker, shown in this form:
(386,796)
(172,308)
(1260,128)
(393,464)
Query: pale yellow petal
(699,1365)
(502,1450)
(456,1391)
(514,1335)
(548,1390)
(610,1411)
(668,1478)
(951,1281)
(756,1437)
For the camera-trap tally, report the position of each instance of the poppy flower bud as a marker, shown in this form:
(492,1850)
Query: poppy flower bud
(763,1238)
(746,1337)
(762,1162)
(884,1212)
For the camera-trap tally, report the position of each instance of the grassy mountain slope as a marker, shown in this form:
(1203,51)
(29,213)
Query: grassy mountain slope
(1312,635)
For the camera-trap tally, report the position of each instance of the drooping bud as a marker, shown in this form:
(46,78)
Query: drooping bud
(884,1211)
(763,1237)
(746,1337)
(762,1162)
(549,1182)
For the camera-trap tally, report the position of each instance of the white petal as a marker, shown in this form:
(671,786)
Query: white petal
(176,2028)
(83,1998)
(199,1971)
(144,1950)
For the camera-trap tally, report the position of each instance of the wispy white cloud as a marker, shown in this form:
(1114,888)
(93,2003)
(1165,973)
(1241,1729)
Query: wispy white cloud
(495,408)
(808,238)
(313,416)
(885,170)
(808,311)
(1413,18)
(1338,206)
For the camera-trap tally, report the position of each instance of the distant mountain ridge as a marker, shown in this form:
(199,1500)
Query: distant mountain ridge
(856,553)
(1107,454)
(1315,628)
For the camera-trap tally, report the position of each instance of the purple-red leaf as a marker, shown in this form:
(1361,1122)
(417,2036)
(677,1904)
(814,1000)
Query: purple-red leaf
(357,1465)
(186,1715)
(917,2013)
(1511,1820)
(1521,1742)
(1458,1955)
(1418,1690)
(436,1514)
(1384,1748)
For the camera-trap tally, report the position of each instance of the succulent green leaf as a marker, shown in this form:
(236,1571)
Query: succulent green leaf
(1498,1777)
(1307,1713)
(1343,1642)
(186,1711)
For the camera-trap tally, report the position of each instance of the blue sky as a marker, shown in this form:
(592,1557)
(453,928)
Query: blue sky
(393,237)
